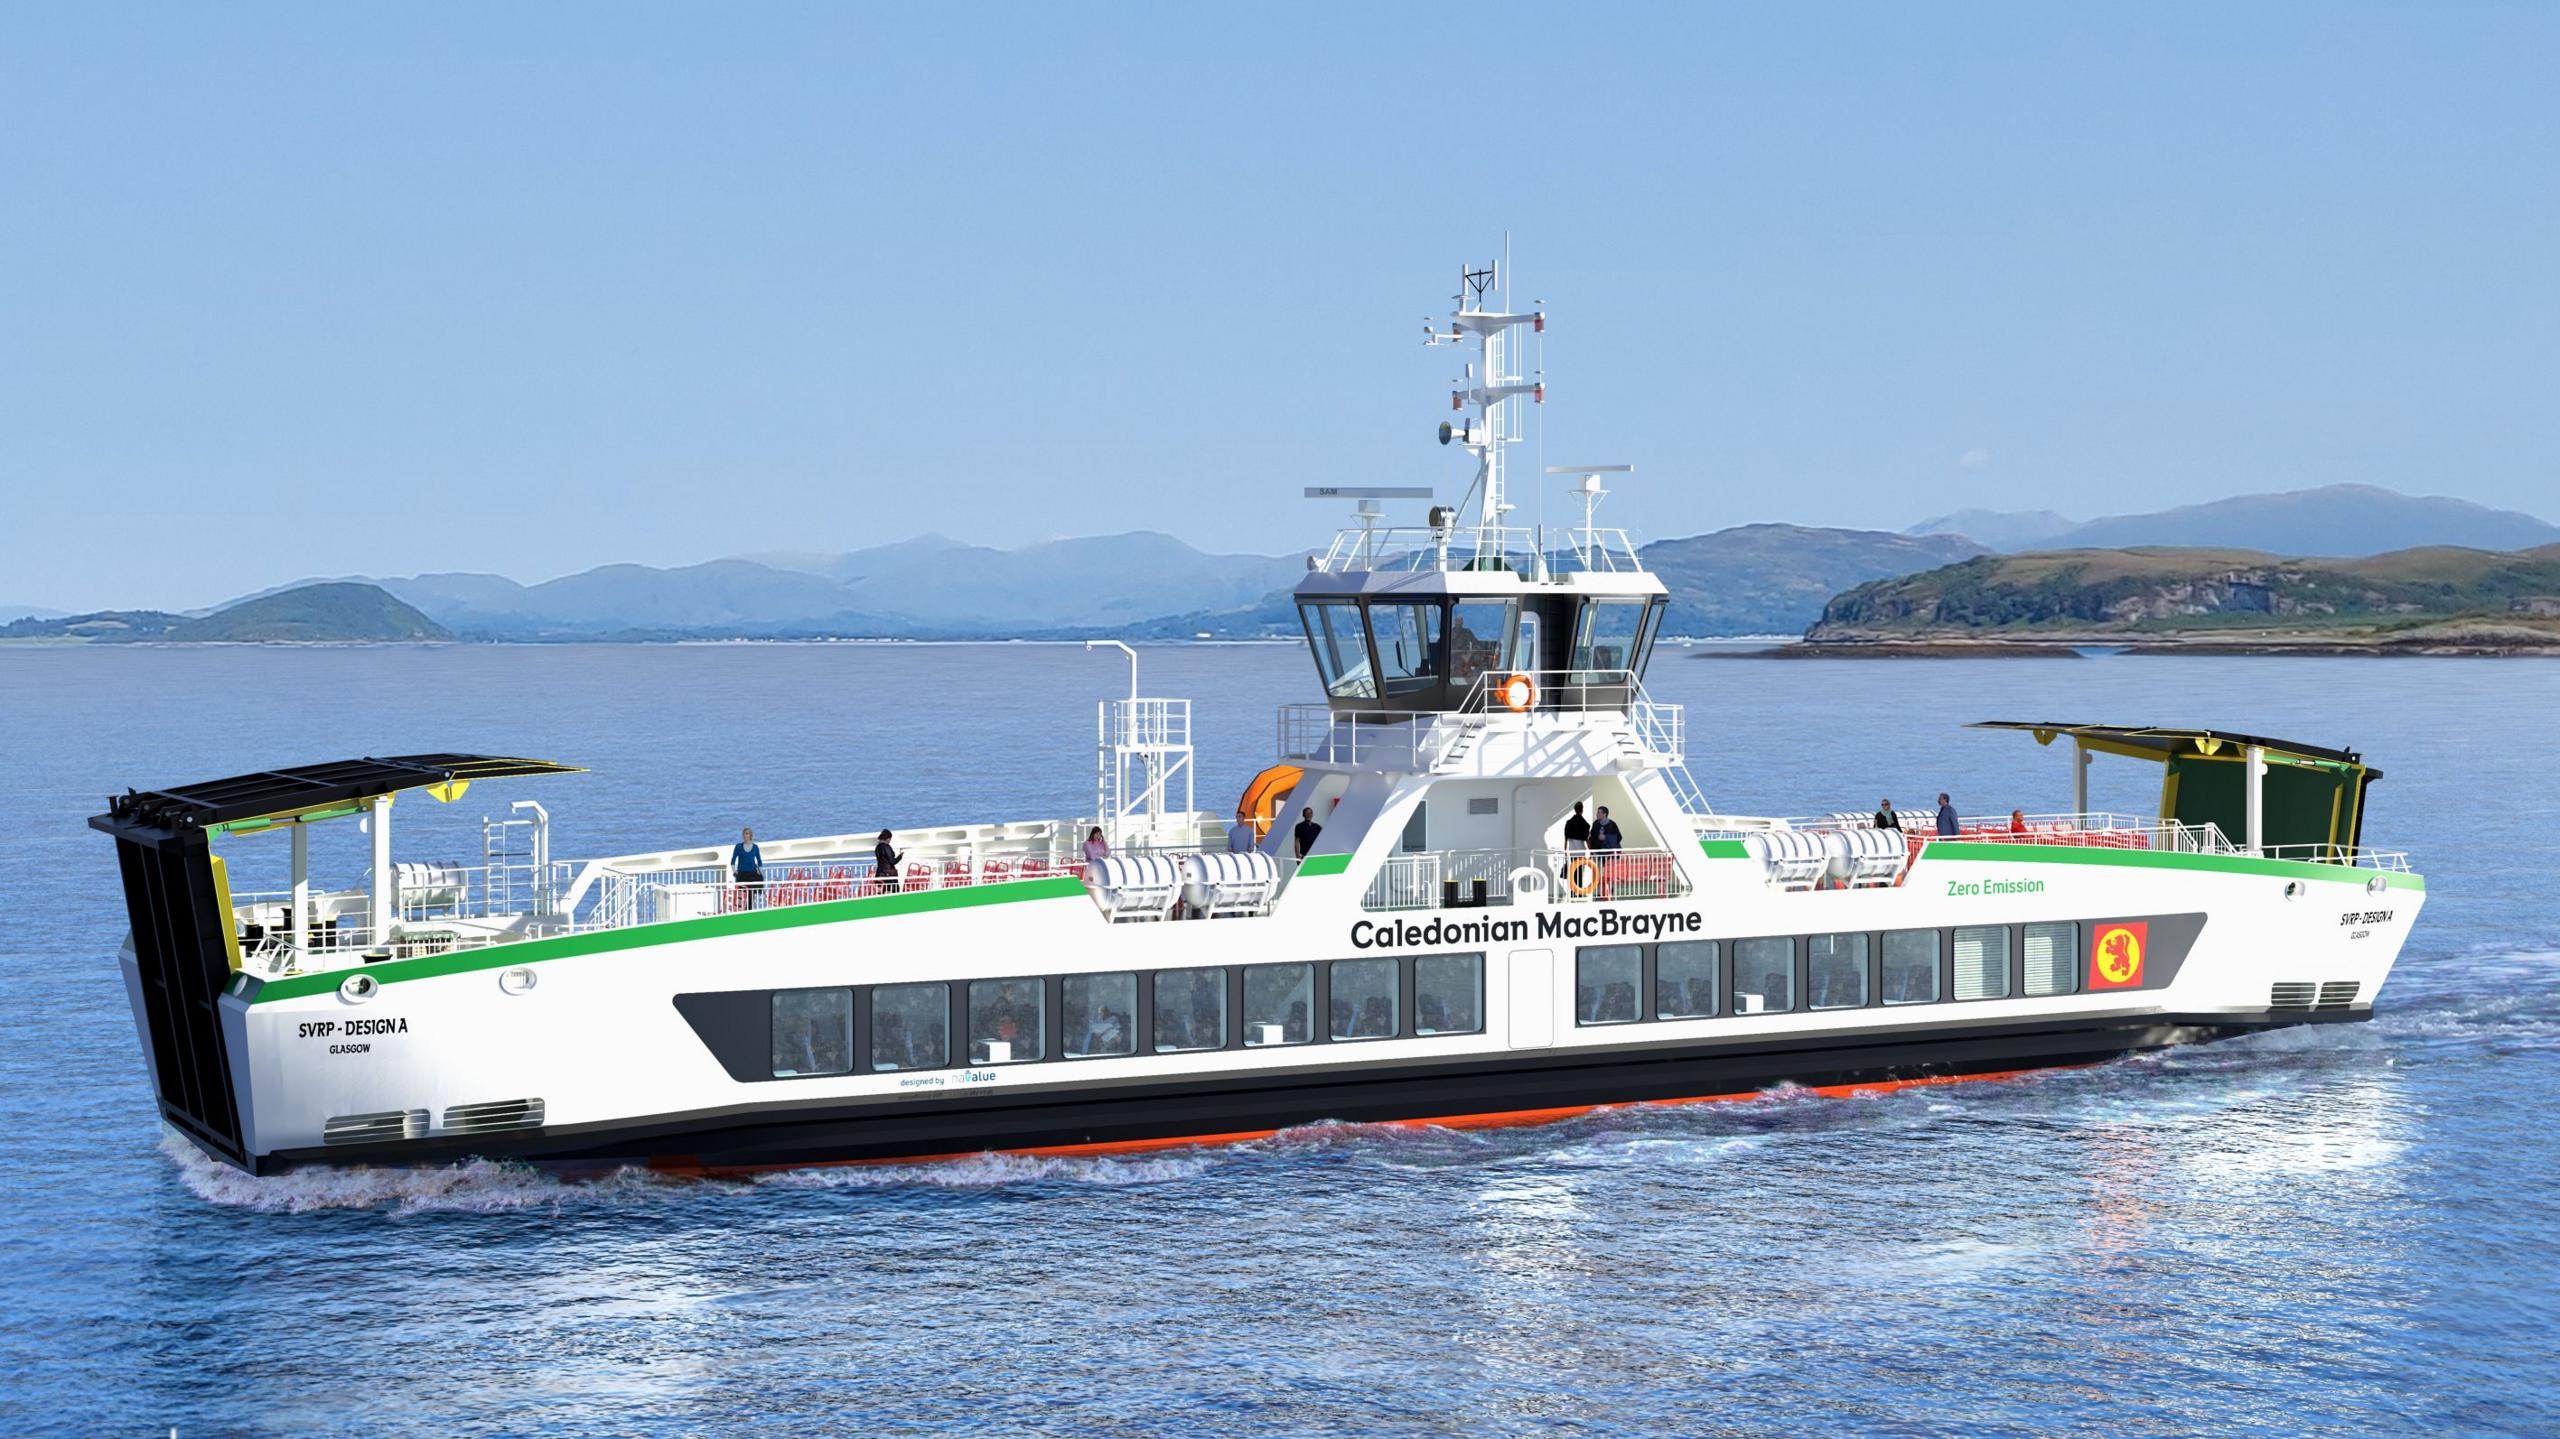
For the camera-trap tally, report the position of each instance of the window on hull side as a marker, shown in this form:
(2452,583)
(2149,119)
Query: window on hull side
(2052,955)
(1911,966)
(1835,971)
(1684,979)
(1362,995)
(812,1032)
(1605,983)
(1764,972)
(910,1026)
(1191,1010)
(1097,1015)
(1279,1004)
(1008,1021)
(1448,994)
(1982,962)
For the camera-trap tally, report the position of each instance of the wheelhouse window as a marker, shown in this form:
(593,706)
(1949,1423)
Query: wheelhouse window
(812,1032)
(1764,975)
(1279,1004)
(1362,996)
(910,1026)
(1097,1015)
(1911,966)
(1007,1020)
(1835,971)
(1982,962)
(1482,640)
(1605,637)
(1684,979)
(1605,983)
(1409,651)
(1341,646)
(1191,1010)
(2052,955)
(1448,994)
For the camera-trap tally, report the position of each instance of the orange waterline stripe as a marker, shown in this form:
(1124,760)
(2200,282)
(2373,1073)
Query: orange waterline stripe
(1497,1119)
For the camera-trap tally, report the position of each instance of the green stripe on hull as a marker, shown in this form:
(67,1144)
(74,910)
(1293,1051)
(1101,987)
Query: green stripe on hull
(1315,865)
(1992,851)
(677,931)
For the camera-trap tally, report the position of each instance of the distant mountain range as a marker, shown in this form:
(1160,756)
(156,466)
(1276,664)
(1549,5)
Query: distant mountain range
(2343,520)
(926,588)
(1773,579)
(1751,579)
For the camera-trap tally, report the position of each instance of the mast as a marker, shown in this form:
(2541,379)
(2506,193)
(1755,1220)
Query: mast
(1490,384)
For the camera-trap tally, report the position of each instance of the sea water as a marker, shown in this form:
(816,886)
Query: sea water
(2336,1230)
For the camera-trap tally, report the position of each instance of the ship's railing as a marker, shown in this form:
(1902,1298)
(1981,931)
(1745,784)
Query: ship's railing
(1473,878)
(1434,741)
(1515,548)
(2353,856)
(2091,829)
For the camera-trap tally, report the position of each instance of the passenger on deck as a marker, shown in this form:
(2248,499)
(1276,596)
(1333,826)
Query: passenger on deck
(1947,825)
(1094,846)
(1307,831)
(746,866)
(2017,821)
(1241,839)
(1604,832)
(1577,830)
(1886,818)
(885,862)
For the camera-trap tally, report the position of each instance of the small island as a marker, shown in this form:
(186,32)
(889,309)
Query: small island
(332,613)
(2435,600)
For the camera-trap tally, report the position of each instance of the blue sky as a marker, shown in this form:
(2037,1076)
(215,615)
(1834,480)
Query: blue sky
(529,289)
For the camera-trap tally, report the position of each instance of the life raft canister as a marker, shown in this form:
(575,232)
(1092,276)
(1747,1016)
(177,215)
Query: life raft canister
(1582,874)
(1261,801)
(1520,694)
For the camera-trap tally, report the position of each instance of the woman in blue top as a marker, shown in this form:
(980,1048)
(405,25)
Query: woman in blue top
(746,866)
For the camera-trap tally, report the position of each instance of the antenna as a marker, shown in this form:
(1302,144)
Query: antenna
(1490,384)
(1587,542)
(1366,514)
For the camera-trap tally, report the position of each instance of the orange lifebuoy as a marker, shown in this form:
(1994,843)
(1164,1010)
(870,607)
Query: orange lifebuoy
(1581,874)
(1520,694)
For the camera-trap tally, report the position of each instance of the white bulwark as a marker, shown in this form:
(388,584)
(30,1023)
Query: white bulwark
(1478,884)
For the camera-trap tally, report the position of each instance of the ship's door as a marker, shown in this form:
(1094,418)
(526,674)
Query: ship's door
(1533,998)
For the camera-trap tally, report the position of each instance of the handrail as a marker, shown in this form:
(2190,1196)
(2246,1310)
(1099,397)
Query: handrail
(1517,548)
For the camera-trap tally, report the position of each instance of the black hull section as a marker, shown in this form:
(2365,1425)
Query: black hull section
(1515,1086)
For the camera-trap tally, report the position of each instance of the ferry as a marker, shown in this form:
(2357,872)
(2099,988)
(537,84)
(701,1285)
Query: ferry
(1415,915)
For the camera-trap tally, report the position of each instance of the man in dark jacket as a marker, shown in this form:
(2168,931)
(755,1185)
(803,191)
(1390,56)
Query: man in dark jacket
(1604,832)
(884,863)
(1947,825)
(1307,831)
(1577,830)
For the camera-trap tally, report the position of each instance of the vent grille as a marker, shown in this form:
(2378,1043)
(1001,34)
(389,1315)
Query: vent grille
(375,1128)
(493,1114)
(2338,993)
(2292,994)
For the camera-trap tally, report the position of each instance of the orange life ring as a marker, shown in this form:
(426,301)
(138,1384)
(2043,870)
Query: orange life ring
(1520,694)
(1582,874)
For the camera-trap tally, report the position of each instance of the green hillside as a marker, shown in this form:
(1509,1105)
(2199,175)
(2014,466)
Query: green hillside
(330,612)
(2152,591)
(318,614)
